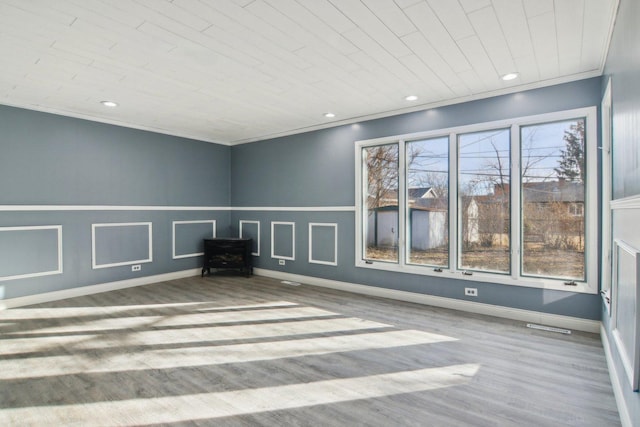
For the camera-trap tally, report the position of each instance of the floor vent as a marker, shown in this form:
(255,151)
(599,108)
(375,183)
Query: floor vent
(287,282)
(549,328)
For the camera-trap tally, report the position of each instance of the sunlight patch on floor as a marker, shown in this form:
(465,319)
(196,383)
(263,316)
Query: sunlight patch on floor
(212,355)
(33,313)
(204,406)
(183,336)
(180,319)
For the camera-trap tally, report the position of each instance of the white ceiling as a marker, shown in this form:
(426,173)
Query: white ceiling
(233,71)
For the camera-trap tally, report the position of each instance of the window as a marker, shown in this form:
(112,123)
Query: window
(381,177)
(510,202)
(576,209)
(484,173)
(553,189)
(427,203)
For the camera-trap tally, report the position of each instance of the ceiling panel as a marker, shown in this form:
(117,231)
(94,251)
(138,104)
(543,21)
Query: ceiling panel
(513,22)
(392,16)
(487,27)
(545,44)
(471,5)
(483,67)
(425,19)
(453,18)
(234,71)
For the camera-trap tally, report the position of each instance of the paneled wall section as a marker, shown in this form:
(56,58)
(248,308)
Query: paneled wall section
(623,70)
(310,178)
(83,202)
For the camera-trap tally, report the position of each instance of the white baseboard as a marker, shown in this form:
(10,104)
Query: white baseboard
(625,418)
(568,322)
(95,289)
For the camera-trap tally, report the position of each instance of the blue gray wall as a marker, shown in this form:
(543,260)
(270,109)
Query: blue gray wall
(623,68)
(57,161)
(54,161)
(317,169)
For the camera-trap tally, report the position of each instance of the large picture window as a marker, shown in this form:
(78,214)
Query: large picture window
(509,202)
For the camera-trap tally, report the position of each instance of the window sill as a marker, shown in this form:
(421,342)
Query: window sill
(528,282)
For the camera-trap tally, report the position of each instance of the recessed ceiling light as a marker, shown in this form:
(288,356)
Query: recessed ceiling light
(329,115)
(410,98)
(509,76)
(109,103)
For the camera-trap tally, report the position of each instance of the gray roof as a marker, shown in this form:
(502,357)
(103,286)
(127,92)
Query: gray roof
(435,203)
(553,191)
(417,192)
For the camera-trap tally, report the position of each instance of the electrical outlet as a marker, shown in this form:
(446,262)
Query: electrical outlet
(281,262)
(136,267)
(471,292)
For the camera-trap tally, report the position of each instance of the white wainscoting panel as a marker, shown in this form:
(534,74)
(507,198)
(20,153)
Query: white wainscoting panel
(274,226)
(625,308)
(173,236)
(149,258)
(257,235)
(320,225)
(58,270)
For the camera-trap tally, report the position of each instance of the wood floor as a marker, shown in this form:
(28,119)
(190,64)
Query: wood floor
(241,351)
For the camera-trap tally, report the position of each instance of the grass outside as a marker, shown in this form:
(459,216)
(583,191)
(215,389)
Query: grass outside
(565,263)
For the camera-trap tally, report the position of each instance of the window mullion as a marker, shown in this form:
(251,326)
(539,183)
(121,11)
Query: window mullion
(590,202)
(360,202)
(402,205)
(516,211)
(453,202)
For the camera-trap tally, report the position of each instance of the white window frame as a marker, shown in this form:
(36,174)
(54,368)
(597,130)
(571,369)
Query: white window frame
(513,181)
(451,196)
(606,269)
(590,285)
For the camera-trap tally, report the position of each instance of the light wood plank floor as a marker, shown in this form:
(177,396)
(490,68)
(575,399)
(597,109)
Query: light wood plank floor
(241,351)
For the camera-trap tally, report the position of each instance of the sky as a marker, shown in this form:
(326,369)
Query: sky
(482,155)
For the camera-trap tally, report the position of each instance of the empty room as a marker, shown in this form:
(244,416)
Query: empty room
(320,212)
